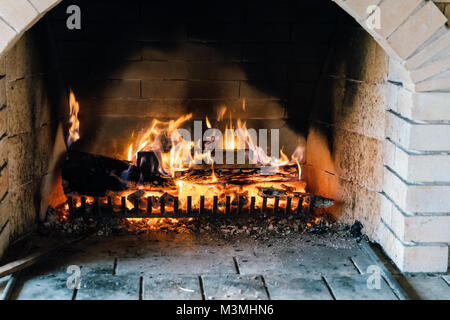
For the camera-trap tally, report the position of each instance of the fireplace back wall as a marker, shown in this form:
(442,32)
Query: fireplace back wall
(134,60)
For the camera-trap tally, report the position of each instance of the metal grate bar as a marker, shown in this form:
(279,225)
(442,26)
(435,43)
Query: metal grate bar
(100,207)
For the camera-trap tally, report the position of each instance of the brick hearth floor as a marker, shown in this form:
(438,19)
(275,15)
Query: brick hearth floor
(180,266)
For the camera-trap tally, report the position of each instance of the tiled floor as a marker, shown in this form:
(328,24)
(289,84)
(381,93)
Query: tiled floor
(179,266)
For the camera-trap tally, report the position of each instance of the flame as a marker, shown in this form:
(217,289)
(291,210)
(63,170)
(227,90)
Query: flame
(176,155)
(299,170)
(221,113)
(74,130)
(213,175)
(208,124)
(130,152)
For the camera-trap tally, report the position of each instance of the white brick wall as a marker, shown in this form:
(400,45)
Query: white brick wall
(417,197)
(418,167)
(425,228)
(418,136)
(428,106)
(411,257)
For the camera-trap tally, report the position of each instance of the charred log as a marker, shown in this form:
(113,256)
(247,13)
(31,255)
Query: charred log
(93,175)
(148,166)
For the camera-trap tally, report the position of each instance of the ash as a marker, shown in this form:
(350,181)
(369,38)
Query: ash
(319,228)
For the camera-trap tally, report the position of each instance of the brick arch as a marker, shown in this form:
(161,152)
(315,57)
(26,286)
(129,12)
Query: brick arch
(17,16)
(413,32)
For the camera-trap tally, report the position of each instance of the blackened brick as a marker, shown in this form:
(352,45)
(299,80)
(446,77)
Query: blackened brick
(213,89)
(301,97)
(211,52)
(308,72)
(266,32)
(160,89)
(215,32)
(310,52)
(102,31)
(143,70)
(194,11)
(263,90)
(154,108)
(163,32)
(104,51)
(190,89)
(217,71)
(276,11)
(215,11)
(110,11)
(107,88)
(316,33)
(279,52)
(164,11)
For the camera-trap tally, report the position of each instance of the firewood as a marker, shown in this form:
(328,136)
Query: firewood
(270,192)
(92,175)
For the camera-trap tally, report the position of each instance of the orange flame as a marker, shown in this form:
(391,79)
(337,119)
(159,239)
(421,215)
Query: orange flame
(74,130)
(208,124)
(130,152)
(175,153)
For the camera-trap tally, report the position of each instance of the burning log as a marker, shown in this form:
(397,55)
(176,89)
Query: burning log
(148,165)
(92,175)
(237,159)
(270,192)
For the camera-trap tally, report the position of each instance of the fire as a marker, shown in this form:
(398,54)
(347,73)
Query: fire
(299,170)
(178,163)
(178,158)
(130,152)
(213,176)
(74,130)
(208,124)
(175,153)
(221,113)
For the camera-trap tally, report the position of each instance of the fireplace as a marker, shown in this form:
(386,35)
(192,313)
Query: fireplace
(361,115)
